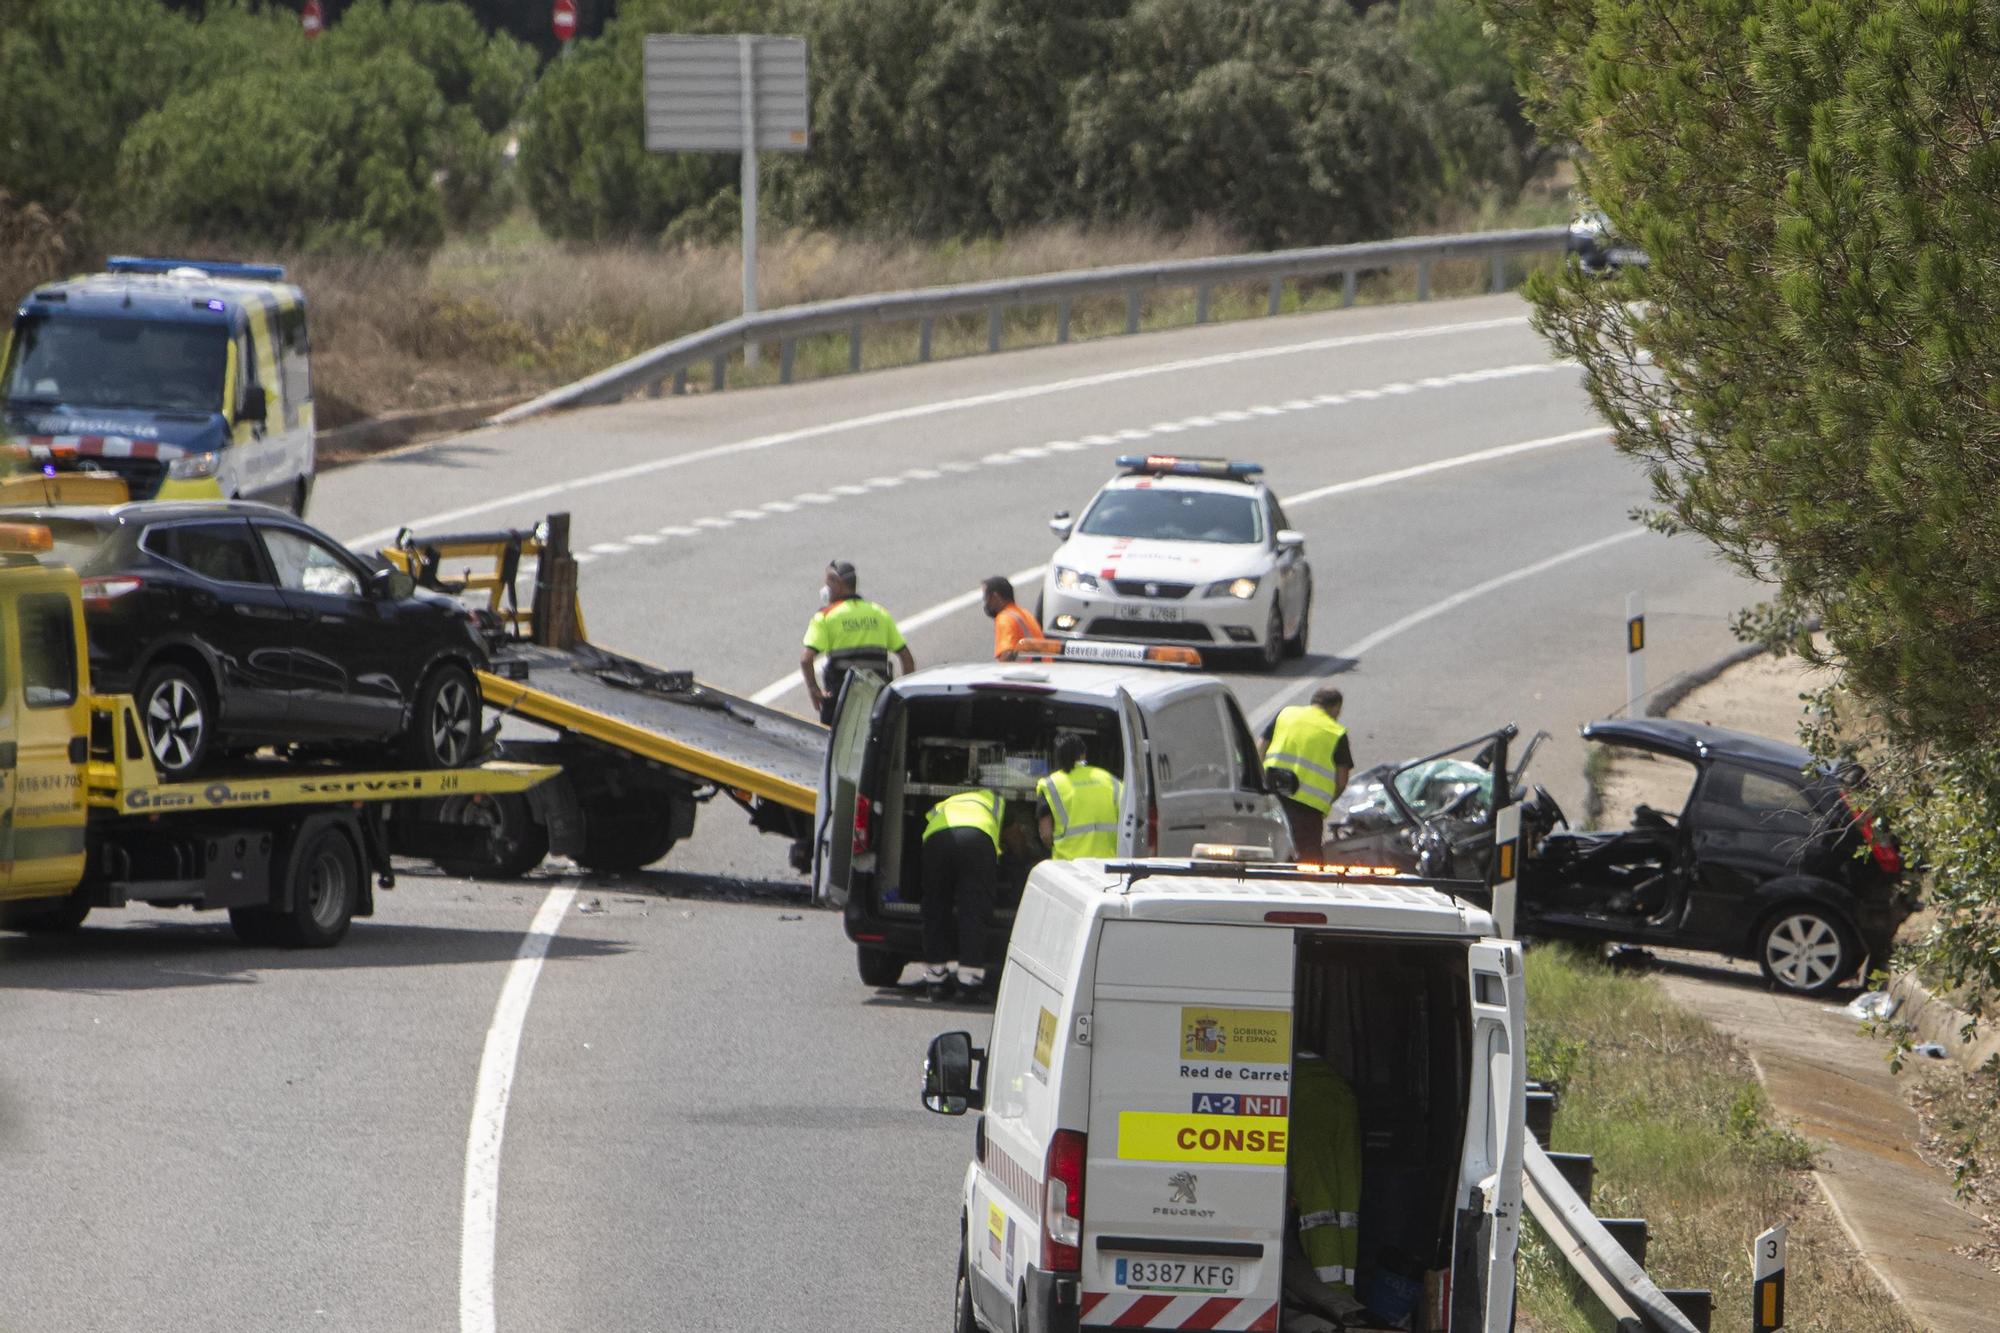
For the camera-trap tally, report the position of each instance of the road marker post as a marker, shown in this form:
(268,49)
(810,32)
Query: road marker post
(1506,862)
(1767,1258)
(1635,651)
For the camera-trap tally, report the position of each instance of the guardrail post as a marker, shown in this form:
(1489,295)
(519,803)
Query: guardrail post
(1423,280)
(1201,304)
(1132,311)
(681,381)
(924,338)
(787,351)
(993,329)
(1697,1303)
(656,388)
(1541,1114)
(721,369)
(1350,283)
(1579,1169)
(854,349)
(1499,274)
(1630,1233)
(1277,296)
(1062,320)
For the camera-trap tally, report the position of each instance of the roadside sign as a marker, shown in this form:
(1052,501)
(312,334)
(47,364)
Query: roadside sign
(1767,1258)
(564,20)
(696,94)
(312,18)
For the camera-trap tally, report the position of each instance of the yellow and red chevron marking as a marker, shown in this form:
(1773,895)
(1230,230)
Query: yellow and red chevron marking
(41,447)
(1123,1309)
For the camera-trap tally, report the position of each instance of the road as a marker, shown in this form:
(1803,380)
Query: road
(709,1123)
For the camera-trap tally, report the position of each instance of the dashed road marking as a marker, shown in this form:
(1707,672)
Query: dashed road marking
(883,483)
(748,515)
(642,539)
(922,473)
(679,530)
(712,523)
(780,506)
(609,548)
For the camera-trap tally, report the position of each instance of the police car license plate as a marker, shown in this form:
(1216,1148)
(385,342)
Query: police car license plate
(1194,1275)
(1165,613)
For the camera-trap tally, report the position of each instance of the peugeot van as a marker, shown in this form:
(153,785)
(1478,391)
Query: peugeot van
(1139,1160)
(1177,739)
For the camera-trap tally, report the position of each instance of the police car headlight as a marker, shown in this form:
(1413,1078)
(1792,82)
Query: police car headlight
(1070,580)
(193,467)
(1242,589)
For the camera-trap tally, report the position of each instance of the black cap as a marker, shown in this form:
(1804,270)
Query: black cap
(843,569)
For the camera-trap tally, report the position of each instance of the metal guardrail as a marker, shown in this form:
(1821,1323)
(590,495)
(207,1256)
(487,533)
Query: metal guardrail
(1632,1300)
(669,363)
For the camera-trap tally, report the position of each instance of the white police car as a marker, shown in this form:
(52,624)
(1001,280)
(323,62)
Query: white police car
(1191,551)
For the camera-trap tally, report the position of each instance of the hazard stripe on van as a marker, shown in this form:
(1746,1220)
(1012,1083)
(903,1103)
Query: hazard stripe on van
(1100,1309)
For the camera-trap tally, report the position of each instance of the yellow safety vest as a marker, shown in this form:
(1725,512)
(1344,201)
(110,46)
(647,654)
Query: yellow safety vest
(1326,1170)
(853,631)
(1083,811)
(1303,744)
(969,809)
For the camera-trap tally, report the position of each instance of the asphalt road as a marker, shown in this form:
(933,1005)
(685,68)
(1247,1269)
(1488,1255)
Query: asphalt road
(711,1124)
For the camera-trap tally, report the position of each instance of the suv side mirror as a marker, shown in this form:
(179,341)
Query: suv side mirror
(948,1068)
(1061,525)
(1290,540)
(390,582)
(254,404)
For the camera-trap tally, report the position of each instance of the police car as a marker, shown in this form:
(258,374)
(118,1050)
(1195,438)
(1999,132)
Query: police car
(1190,551)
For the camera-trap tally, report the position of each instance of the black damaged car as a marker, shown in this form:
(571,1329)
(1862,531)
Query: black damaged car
(1769,855)
(235,626)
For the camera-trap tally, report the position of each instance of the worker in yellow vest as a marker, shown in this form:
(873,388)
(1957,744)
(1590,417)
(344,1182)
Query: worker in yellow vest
(1079,805)
(1325,1179)
(1307,761)
(854,634)
(961,856)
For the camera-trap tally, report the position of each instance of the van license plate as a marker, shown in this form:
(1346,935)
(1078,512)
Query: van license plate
(1173,1275)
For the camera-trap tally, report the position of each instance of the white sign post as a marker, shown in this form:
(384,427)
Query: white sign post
(744,94)
(1506,865)
(1635,651)
(1767,1258)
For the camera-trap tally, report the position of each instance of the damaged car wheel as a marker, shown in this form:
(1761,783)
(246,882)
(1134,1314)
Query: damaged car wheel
(1805,950)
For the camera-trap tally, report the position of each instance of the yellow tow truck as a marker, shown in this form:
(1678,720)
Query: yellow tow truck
(293,851)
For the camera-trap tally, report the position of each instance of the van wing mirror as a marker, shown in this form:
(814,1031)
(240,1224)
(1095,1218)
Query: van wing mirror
(1062,525)
(949,1085)
(254,405)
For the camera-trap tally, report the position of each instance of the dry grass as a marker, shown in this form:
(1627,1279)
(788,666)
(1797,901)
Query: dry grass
(1959,1112)
(1679,1126)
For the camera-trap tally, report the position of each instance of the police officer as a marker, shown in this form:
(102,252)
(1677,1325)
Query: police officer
(961,856)
(1307,760)
(854,634)
(1079,805)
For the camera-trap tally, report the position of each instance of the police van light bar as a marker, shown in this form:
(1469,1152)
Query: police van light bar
(1229,851)
(1090,650)
(25,539)
(214,268)
(1317,868)
(1158,465)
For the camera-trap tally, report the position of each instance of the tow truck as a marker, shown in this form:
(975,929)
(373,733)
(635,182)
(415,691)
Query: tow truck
(641,747)
(292,850)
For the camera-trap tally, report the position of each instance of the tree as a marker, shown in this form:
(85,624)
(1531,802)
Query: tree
(1806,368)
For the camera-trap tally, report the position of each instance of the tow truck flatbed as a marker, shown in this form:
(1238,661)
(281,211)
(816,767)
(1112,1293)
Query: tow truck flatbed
(641,747)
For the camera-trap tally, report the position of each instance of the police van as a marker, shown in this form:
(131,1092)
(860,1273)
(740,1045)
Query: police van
(184,379)
(1240,1096)
(1177,739)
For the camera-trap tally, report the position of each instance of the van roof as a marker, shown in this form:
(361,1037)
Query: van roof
(1098,679)
(1220,893)
(182,295)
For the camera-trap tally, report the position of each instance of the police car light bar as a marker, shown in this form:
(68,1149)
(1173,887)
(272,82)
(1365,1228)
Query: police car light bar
(215,268)
(1158,465)
(1096,650)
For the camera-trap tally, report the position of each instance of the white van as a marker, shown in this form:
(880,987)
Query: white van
(1133,1162)
(1177,739)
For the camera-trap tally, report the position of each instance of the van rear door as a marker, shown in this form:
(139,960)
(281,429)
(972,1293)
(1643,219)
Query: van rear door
(1138,817)
(839,785)
(1184,1185)
(1489,1185)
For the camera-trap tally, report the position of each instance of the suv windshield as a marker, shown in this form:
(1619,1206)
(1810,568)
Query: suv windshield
(1174,516)
(88,361)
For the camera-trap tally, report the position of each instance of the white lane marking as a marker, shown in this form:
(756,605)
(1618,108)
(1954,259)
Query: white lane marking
(1065,446)
(922,473)
(1302,404)
(609,548)
(780,506)
(1198,421)
(1232,416)
(1266,410)
(676,530)
(813,498)
(956,466)
(848,488)
(883,483)
(1100,439)
(481,1222)
(747,515)
(1167,427)
(999,460)
(1030,451)
(934,408)
(584,557)
(777,689)
(642,539)
(1133,434)
(1362,647)
(713,523)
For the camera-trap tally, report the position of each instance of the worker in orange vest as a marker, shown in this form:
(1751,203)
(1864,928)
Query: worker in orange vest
(1010,623)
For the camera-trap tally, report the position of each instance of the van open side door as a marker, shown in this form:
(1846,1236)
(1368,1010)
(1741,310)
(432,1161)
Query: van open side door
(1138,817)
(1488,1227)
(839,785)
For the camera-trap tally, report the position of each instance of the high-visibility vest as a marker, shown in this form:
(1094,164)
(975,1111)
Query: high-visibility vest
(1303,744)
(968,809)
(1083,811)
(1325,1153)
(853,632)
(1010,627)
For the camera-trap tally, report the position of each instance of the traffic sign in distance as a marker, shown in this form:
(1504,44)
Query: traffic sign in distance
(313,19)
(563,20)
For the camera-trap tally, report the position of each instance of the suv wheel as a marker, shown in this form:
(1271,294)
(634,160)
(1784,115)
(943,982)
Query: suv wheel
(1805,949)
(173,704)
(444,729)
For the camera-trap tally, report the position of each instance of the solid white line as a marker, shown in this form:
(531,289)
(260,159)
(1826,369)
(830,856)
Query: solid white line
(777,689)
(489,1116)
(1362,647)
(919,410)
